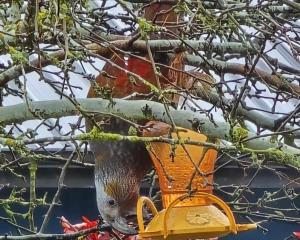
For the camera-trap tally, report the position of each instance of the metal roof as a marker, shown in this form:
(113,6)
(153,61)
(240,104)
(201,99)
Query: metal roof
(39,90)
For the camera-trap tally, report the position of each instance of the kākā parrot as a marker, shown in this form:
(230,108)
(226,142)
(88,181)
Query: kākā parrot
(119,169)
(120,166)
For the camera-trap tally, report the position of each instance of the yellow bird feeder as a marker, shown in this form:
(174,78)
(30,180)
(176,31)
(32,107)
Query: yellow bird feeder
(198,215)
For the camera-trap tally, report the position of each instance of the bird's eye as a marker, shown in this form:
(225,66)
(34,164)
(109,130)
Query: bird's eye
(111,202)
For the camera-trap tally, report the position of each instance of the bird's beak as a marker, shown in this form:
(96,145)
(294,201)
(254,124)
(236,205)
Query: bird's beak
(120,224)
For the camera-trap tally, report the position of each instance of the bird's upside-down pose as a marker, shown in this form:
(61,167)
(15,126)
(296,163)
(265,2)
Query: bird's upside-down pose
(120,166)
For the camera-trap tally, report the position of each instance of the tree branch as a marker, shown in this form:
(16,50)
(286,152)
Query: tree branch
(148,110)
(140,45)
(39,236)
(275,81)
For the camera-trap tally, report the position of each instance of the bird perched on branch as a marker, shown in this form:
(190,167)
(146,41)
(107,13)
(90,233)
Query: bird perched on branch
(120,166)
(119,170)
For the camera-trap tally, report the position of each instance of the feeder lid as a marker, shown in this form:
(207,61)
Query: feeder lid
(190,222)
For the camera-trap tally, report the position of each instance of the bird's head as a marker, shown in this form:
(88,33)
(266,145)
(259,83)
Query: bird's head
(117,201)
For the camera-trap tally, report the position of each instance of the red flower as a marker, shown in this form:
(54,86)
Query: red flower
(297,234)
(86,224)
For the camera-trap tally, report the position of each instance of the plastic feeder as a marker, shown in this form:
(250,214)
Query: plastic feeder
(198,215)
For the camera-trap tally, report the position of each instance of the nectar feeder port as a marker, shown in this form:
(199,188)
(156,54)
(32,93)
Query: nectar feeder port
(199,215)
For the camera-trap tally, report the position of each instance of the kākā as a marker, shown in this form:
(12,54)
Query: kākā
(120,166)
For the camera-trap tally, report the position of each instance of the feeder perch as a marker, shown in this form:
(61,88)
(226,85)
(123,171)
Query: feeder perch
(190,211)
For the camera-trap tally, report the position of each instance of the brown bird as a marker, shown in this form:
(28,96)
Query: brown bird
(119,169)
(120,166)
